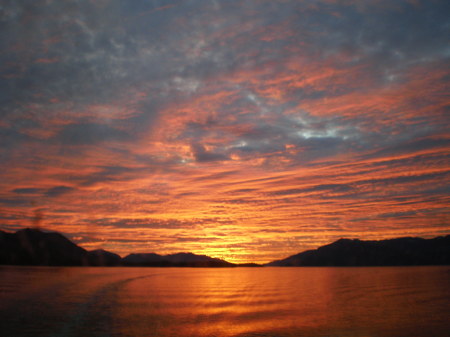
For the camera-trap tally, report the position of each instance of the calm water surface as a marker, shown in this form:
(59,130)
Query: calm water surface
(369,302)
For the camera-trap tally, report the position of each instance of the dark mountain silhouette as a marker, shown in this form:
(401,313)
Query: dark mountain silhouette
(140,259)
(102,257)
(394,252)
(38,248)
(34,247)
(190,259)
(249,265)
(174,260)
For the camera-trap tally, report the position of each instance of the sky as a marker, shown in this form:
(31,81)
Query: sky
(244,130)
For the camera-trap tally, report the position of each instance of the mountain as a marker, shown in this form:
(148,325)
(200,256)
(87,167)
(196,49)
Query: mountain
(139,259)
(394,252)
(34,247)
(38,248)
(174,260)
(102,257)
(189,259)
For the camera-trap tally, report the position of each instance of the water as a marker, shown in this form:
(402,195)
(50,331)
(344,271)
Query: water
(344,302)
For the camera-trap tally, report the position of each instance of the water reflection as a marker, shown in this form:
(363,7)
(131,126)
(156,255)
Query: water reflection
(224,302)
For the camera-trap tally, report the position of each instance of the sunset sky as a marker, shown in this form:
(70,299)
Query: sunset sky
(244,130)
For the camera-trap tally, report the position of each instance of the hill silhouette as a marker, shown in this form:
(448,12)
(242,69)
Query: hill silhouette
(100,257)
(174,260)
(406,251)
(38,248)
(35,247)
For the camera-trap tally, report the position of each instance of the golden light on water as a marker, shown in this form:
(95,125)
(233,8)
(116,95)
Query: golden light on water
(227,301)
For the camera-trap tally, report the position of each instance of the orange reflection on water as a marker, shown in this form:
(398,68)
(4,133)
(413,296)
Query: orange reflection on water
(224,302)
(204,302)
(275,302)
(389,302)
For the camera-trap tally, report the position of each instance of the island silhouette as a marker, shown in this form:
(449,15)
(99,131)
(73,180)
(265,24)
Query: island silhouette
(35,247)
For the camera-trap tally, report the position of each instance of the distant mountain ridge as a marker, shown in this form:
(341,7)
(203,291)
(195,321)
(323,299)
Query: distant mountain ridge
(406,251)
(179,260)
(35,247)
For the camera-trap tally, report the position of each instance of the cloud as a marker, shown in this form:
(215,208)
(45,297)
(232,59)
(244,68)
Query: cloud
(203,155)
(335,188)
(29,190)
(55,191)
(58,191)
(88,134)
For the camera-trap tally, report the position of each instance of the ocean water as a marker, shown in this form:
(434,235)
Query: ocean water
(344,302)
